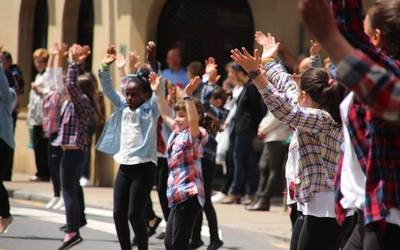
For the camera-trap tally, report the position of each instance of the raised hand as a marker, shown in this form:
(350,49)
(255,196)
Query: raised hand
(154,80)
(318,18)
(192,86)
(211,70)
(151,49)
(269,44)
(54,49)
(248,62)
(134,61)
(121,62)
(111,55)
(315,48)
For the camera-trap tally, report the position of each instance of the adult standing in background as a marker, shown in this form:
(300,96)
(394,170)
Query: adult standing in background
(40,87)
(175,72)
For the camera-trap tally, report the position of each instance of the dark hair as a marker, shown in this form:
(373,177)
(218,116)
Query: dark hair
(7,56)
(195,68)
(219,93)
(323,90)
(237,68)
(142,79)
(385,16)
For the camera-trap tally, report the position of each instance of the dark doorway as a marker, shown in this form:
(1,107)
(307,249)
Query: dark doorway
(40,27)
(204,28)
(85,28)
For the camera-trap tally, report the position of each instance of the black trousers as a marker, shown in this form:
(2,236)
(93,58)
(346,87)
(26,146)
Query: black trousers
(180,224)
(5,158)
(40,147)
(229,167)
(318,233)
(162,183)
(208,168)
(364,238)
(131,194)
(71,167)
(272,161)
(55,153)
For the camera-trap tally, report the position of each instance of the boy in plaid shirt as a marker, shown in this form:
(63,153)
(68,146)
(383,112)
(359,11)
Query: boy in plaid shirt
(184,151)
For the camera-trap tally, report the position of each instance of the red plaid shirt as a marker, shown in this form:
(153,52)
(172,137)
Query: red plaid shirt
(185,178)
(375,140)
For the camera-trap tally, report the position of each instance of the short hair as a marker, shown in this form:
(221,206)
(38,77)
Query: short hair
(219,93)
(7,56)
(41,53)
(181,106)
(237,68)
(195,68)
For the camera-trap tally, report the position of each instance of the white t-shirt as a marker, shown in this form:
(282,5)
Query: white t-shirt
(353,179)
(131,136)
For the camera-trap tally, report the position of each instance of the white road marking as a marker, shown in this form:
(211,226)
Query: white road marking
(106,227)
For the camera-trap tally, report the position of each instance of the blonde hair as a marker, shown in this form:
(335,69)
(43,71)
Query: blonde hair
(40,53)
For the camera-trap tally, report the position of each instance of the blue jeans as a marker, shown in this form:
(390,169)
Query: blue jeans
(246,171)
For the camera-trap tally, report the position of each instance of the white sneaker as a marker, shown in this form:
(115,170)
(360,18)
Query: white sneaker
(83,181)
(52,202)
(59,204)
(218,197)
(5,223)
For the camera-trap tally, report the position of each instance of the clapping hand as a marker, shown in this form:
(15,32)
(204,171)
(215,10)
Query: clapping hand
(78,53)
(111,55)
(248,62)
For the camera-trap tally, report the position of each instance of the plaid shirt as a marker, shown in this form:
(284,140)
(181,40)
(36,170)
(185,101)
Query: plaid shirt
(51,104)
(375,141)
(319,136)
(76,116)
(185,178)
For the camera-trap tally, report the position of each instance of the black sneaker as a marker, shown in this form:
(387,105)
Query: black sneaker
(214,245)
(72,242)
(196,244)
(161,236)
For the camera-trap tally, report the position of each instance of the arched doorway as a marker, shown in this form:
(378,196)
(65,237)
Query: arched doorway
(40,28)
(85,28)
(78,24)
(32,34)
(205,28)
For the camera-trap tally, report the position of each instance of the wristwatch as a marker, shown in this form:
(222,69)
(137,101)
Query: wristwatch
(253,74)
(187,98)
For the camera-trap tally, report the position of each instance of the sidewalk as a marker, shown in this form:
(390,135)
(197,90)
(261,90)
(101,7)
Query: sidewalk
(275,223)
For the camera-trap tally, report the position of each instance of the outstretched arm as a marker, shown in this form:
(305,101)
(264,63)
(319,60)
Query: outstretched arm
(165,112)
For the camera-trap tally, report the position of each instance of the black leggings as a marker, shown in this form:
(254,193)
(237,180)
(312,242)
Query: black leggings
(208,168)
(55,154)
(363,238)
(162,183)
(5,158)
(318,233)
(40,147)
(71,167)
(180,224)
(131,193)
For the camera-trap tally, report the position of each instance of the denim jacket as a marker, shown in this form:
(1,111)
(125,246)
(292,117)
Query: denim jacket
(109,141)
(7,101)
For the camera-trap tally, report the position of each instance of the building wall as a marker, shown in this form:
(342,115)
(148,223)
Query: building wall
(128,24)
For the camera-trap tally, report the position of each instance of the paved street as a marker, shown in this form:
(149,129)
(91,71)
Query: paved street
(36,228)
